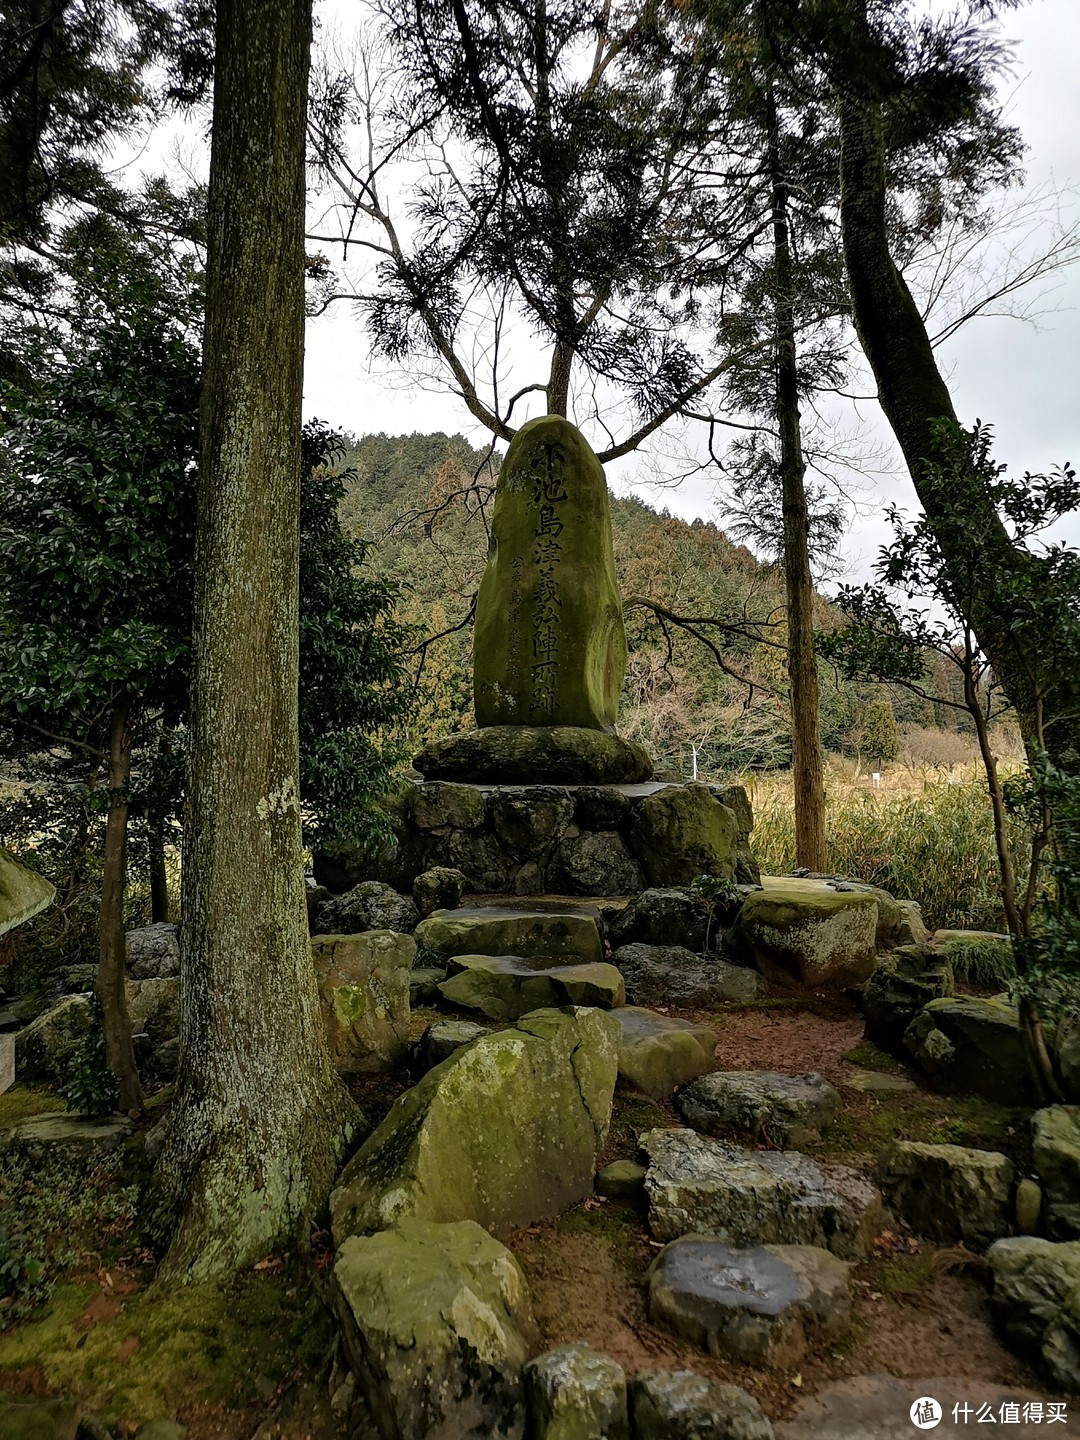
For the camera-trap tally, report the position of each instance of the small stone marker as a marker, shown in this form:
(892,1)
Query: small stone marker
(550,646)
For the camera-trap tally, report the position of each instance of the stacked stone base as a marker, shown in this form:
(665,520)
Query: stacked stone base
(596,840)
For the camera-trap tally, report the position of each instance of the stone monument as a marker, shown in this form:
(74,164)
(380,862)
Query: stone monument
(549,648)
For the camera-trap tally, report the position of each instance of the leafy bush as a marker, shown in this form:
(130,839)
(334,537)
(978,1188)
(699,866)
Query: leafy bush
(988,964)
(89,1087)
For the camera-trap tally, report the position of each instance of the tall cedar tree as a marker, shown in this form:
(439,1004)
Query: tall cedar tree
(260,1120)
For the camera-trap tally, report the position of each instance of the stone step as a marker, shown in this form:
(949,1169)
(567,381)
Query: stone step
(505,987)
(658,1053)
(756,1197)
(571,933)
(765,1305)
(765,1106)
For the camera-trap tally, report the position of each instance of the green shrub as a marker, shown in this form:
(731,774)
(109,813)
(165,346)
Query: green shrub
(988,964)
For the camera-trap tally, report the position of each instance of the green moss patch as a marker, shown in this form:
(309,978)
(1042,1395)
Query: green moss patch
(199,1344)
(22,1102)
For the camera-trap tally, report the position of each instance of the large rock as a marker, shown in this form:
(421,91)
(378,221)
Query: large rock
(659,917)
(364,994)
(595,863)
(154,1009)
(438,808)
(570,934)
(43,1047)
(1067,1052)
(535,755)
(530,821)
(682,1405)
(971,1046)
(25,1417)
(1056,1155)
(480,858)
(681,832)
(897,990)
(23,893)
(575,1393)
(602,807)
(1035,1299)
(765,1305)
(153,951)
(669,975)
(755,1197)
(505,1132)
(747,870)
(807,933)
(788,1111)
(948,1192)
(549,645)
(439,888)
(913,929)
(437,1323)
(505,987)
(371,905)
(658,1053)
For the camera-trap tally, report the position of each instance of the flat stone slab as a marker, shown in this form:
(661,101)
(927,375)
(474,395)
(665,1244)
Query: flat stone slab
(877,1082)
(765,1305)
(516,931)
(658,1053)
(697,1185)
(441,1040)
(505,987)
(424,982)
(878,1407)
(784,1110)
(535,755)
(670,975)
(72,1134)
(621,1180)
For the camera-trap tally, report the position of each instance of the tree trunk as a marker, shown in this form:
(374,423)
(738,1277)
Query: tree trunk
(111,975)
(914,396)
(806,759)
(159,879)
(260,1119)
(558,387)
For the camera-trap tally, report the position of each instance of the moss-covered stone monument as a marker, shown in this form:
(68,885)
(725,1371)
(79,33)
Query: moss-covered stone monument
(550,646)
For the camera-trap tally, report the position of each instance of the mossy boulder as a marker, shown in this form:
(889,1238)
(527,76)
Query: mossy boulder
(437,1324)
(1035,1301)
(23,893)
(659,917)
(948,1192)
(595,863)
(439,807)
(371,905)
(682,1405)
(535,755)
(896,991)
(788,1111)
(658,1053)
(968,1045)
(504,1132)
(569,935)
(505,987)
(1056,1156)
(364,995)
(549,645)
(807,934)
(575,1393)
(681,832)
(529,822)
(439,888)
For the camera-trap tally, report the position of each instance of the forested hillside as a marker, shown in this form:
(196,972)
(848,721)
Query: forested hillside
(717,687)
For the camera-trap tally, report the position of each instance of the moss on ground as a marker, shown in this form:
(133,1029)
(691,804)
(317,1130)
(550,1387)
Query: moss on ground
(871,1057)
(22,1102)
(866,1127)
(133,1359)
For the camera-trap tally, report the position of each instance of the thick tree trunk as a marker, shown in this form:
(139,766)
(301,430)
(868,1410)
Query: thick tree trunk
(558,387)
(806,762)
(914,396)
(111,975)
(260,1118)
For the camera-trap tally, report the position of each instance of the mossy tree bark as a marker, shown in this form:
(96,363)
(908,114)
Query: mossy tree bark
(260,1118)
(806,761)
(111,975)
(914,397)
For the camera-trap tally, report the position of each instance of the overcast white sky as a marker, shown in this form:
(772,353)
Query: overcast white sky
(1020,378)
